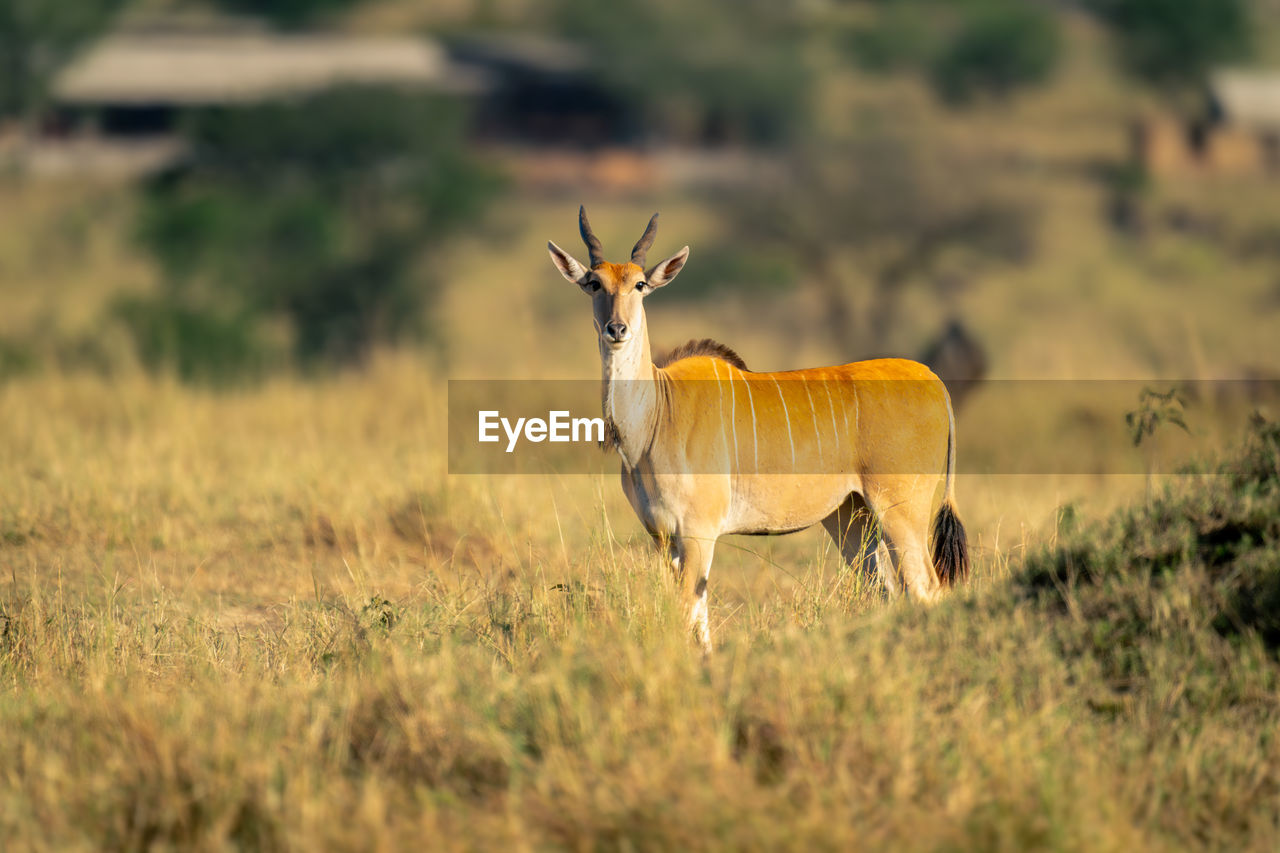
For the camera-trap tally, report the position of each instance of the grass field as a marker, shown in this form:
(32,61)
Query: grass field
(265,620)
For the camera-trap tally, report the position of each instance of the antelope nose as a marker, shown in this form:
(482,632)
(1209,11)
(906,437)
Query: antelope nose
(616,332)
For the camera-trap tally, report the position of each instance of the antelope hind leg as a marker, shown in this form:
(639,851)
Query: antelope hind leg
(905,527)
(853,528)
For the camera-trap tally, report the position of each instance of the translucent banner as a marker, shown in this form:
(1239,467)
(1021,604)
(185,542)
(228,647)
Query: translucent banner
(762,424)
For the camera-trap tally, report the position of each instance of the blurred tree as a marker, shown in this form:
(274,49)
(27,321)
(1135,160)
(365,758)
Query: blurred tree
(868,217)
(316,212)
(901,36)
(1173,44)
(998,48)
(968,49)
(287,13)
(36,38)
(708,70)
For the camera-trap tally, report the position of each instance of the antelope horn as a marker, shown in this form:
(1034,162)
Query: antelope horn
(594,249)
(646,240)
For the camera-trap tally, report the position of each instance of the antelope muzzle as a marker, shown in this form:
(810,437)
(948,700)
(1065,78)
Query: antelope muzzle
(616,332)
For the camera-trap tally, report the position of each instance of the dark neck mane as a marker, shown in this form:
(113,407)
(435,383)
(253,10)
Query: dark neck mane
(706,346)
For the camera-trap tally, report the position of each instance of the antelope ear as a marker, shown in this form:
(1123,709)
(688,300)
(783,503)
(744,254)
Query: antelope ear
(663,271)
(569,266)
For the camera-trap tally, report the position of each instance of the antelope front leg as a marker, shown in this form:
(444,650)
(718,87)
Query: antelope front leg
(693,554)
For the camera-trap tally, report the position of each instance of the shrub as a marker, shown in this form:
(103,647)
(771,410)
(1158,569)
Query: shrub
(1173,45)
(999,49)
(1219,540)
(316,213)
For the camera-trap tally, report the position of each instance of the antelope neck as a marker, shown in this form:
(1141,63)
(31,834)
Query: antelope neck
(631,397)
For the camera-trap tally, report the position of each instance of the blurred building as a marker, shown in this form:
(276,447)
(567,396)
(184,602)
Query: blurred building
(137,84)
(117,107)
(543,91)
(525,88)
(537,103)
(1239,133)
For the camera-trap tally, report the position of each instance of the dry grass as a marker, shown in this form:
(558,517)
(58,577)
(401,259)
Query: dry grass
(266,620)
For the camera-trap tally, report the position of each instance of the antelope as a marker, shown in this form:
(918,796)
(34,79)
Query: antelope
(710,448)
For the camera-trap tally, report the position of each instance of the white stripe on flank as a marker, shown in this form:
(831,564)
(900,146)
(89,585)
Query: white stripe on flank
(786,416)
(724,436)
(755,439)
(817,433)
(826,386)
(857,414)
(844,410)
(733,418)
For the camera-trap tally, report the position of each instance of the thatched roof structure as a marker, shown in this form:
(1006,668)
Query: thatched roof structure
(1248,99)
(194,70)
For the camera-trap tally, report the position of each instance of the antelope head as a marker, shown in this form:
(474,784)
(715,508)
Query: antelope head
(617,291)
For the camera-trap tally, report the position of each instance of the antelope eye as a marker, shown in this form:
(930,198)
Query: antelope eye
(593,286)
(642,286)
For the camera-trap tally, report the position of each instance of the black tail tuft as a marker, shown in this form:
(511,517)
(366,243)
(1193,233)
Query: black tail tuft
(950,546)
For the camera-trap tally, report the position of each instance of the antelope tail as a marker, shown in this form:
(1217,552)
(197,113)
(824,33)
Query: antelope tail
(950,544)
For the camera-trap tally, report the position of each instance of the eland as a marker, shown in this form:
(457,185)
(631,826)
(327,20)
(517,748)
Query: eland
(709,448)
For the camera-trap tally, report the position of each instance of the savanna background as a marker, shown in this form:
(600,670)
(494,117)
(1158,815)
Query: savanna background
(244,245)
